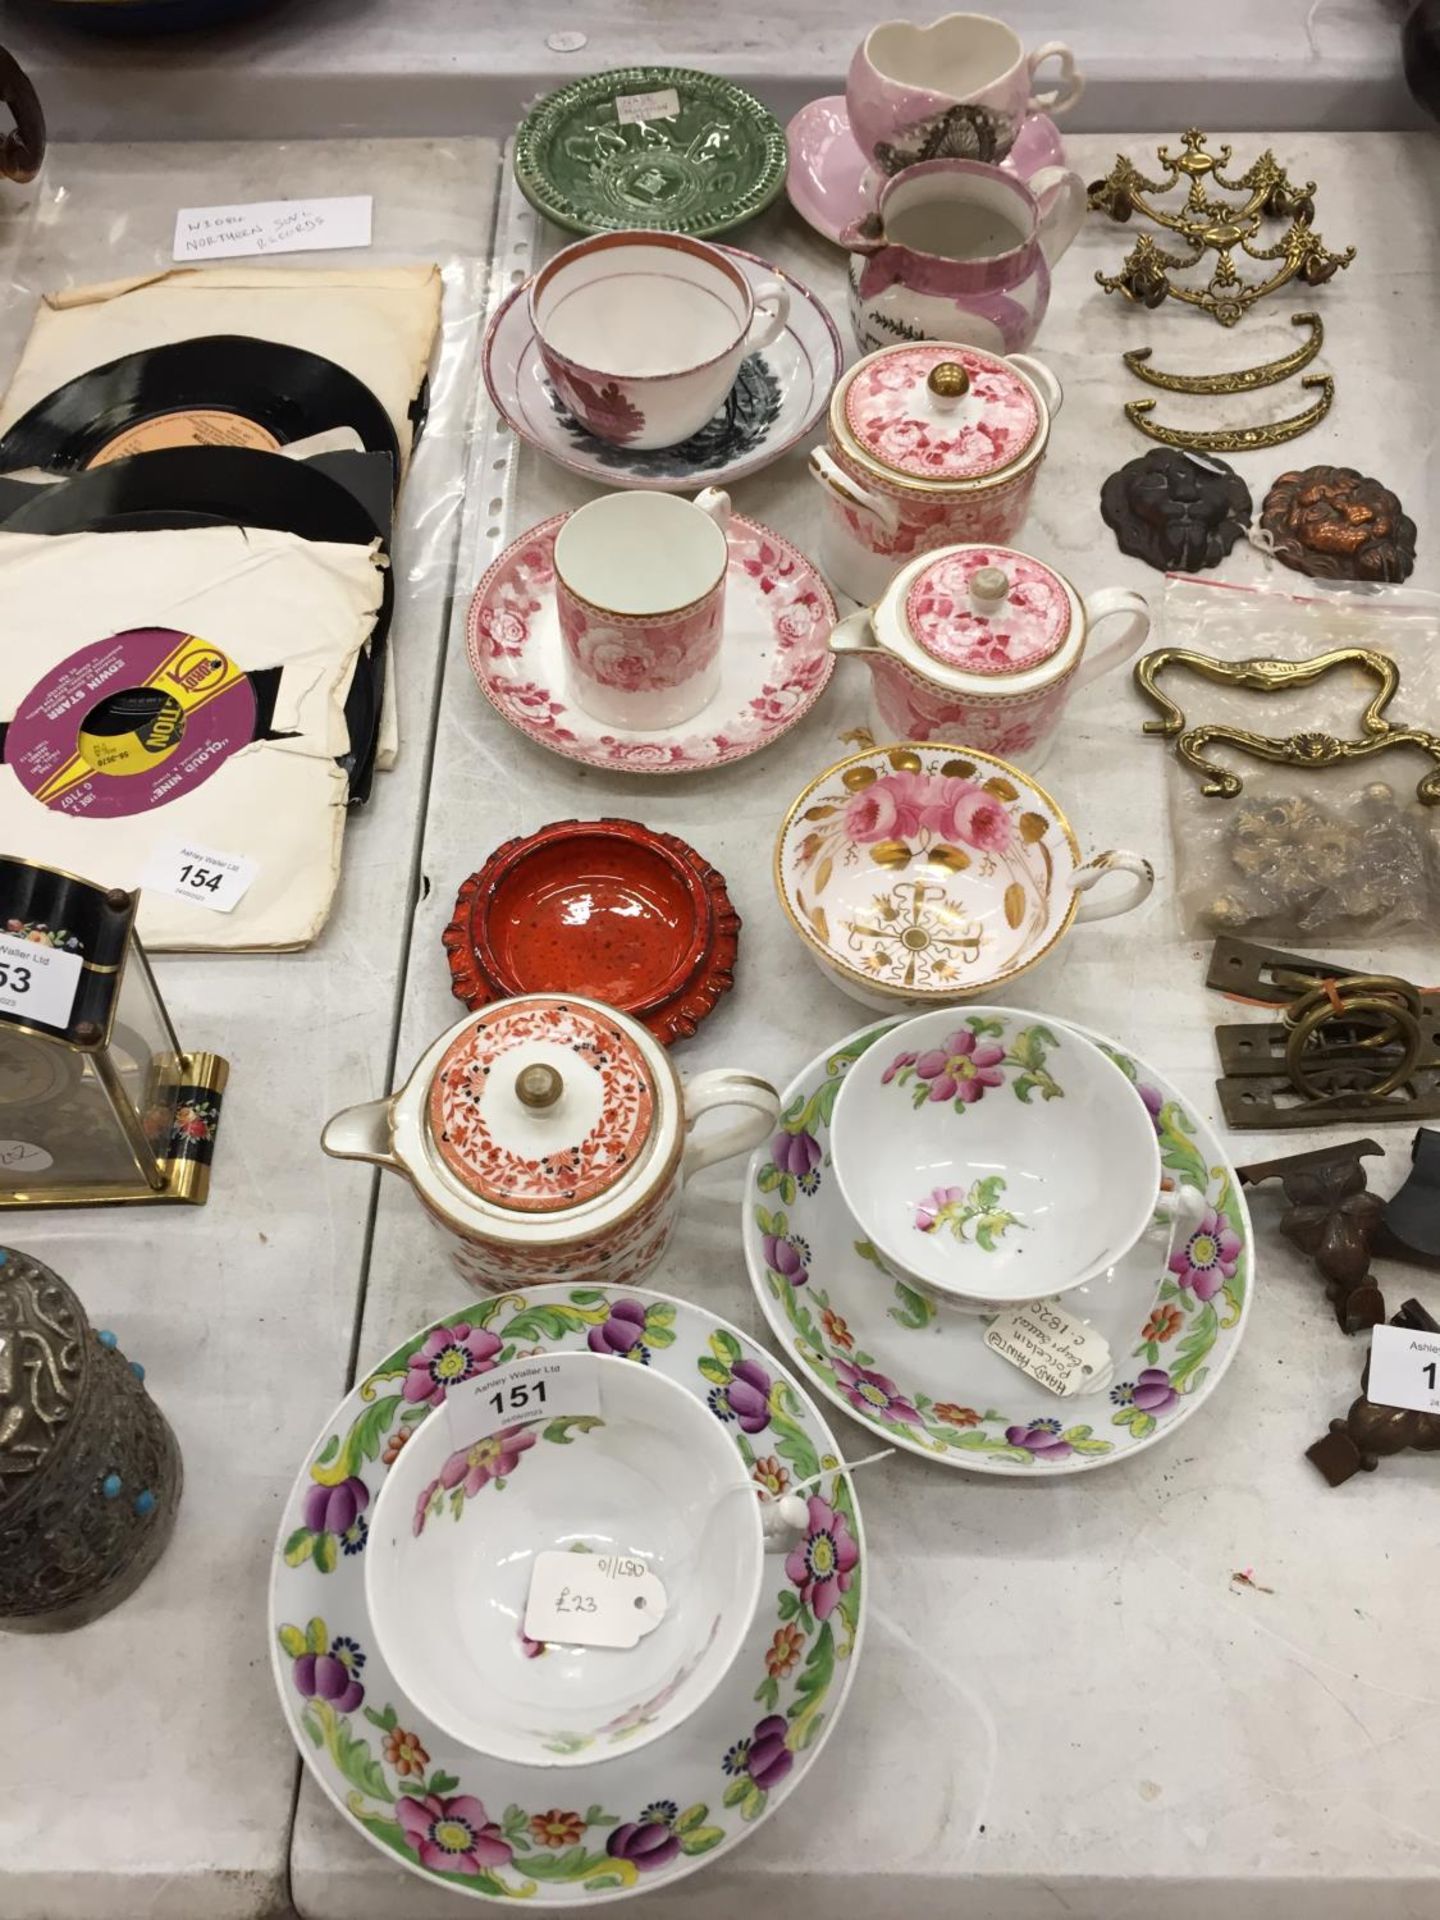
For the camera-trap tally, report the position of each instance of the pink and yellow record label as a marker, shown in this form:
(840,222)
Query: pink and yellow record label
(129,723)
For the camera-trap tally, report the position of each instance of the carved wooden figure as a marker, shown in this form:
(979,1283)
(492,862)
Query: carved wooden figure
(1333,1219)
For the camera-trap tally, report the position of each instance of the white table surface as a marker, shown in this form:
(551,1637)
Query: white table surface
(1064,1706)
(146,1771)
(308,67)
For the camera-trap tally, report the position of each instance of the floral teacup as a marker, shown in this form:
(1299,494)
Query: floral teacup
(994,1158)
(919,875)
(654,1479)
(640,591)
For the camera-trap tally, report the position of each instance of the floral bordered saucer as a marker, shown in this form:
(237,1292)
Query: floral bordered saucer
(779,395)
(632,1822)
(660,147)
(918,1372)
(775,657)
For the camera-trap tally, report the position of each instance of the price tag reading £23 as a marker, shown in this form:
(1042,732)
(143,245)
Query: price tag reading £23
(1055,1349)
(1404,1369)
(38,984)
(592,1599)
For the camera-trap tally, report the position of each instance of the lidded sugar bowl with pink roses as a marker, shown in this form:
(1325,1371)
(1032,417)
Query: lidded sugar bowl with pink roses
(929,443)
(984,645)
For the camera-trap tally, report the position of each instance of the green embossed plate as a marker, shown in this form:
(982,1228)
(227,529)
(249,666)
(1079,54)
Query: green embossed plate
(632,1821)
(918,1373)
(719,161)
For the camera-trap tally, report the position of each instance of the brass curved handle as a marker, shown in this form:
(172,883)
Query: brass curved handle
(23,150)
(1265,676)
(1244,379)
(1236,439)
(1303,749)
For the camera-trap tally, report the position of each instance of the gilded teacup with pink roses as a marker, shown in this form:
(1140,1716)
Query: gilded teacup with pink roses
(918,875)
(640,591)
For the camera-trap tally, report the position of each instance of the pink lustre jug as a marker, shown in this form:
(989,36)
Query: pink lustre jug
(955,250)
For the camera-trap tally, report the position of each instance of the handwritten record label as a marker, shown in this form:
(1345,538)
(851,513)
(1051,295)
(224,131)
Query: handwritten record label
(273,226)
(592,1599)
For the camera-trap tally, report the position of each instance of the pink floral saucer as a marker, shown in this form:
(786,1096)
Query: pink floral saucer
(830,181)
(775,657)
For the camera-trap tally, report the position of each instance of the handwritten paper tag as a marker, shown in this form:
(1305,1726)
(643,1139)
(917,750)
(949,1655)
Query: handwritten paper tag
(1404,1369)
(19,1157)
(38,984)
(219,881)
(1055,1349)
(634,109)
(273,226)
(547,1388)
(592,1599)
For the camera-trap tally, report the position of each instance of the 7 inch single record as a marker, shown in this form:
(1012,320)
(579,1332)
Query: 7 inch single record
(130,722)
(220,390)
(230,486)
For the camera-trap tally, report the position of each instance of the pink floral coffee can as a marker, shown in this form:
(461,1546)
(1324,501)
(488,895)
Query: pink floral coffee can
(640,592)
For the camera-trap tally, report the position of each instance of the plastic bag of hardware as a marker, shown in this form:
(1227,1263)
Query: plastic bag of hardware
(1304,783)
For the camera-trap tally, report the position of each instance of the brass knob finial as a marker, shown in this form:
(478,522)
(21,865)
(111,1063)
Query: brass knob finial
(538,1086)
(948,380)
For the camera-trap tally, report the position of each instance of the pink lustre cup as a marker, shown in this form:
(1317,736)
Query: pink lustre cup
(642,334)
(960,87)
(640,591)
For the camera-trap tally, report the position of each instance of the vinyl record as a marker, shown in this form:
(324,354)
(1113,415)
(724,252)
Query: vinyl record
(129,723)
(197,486)
(228,390)
(230,486)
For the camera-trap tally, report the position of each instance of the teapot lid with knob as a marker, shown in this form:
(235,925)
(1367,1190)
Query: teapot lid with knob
(943,417)
(980,619)
(530,1121)
(541,1105)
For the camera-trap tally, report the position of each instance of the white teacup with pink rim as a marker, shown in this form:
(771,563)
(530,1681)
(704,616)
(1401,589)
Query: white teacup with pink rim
(960,87)
(640,591)
(994,1156)
(642,334)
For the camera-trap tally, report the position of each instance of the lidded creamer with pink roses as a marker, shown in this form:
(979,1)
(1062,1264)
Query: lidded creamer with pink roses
(983,645)
(546,1138)
(929,444)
